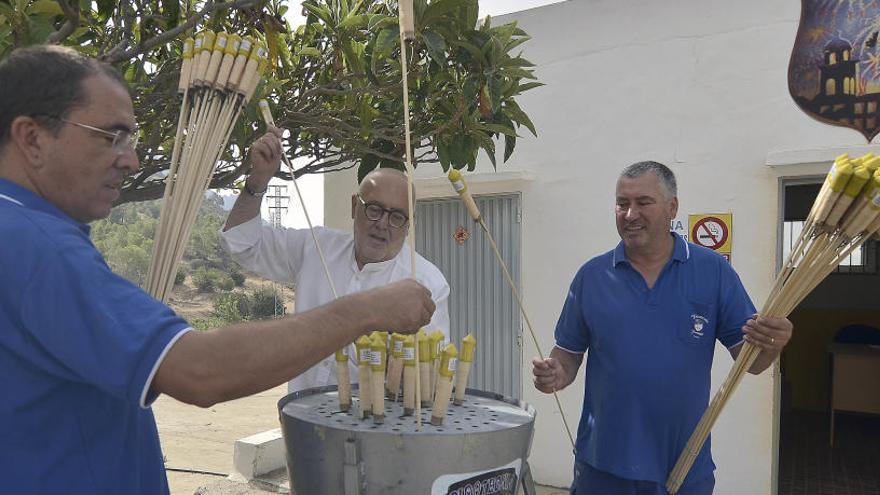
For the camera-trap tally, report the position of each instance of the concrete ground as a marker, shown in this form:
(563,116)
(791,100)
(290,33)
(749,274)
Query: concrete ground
(198,443)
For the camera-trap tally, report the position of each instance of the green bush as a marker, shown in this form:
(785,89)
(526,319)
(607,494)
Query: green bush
(203,280)
(232,307)
(224,281)
(237,276)
(266,302)
(179,277)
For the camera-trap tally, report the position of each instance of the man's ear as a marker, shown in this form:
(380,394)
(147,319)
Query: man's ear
(29,138)
(674,206)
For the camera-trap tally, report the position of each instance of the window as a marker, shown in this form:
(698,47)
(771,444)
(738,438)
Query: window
(798,201)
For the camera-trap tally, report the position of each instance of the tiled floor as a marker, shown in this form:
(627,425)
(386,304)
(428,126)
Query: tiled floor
(808,466)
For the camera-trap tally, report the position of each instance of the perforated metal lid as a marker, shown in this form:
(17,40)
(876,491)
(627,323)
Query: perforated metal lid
(481,412)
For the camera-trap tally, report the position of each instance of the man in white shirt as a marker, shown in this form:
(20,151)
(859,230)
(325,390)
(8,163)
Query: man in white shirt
(372,257)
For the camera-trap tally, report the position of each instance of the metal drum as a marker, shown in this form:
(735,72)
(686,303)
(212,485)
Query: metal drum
(482,447)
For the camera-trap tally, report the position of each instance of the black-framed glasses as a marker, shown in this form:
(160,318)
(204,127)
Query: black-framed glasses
(121,140)
(375,211)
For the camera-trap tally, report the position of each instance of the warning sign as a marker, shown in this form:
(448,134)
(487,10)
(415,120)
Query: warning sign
(714,231)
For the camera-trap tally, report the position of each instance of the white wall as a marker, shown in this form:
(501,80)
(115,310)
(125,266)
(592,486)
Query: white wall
(697,84)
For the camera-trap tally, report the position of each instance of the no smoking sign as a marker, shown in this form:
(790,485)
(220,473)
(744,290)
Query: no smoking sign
(713,231)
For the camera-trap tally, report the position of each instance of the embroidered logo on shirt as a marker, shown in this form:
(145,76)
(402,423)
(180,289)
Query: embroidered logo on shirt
(699,322)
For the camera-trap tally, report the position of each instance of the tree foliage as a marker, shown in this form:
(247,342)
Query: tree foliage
(125,238)
(335,81)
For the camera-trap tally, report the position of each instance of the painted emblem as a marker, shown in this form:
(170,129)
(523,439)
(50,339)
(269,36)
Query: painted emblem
(700,321)
(834,71)
(461,235)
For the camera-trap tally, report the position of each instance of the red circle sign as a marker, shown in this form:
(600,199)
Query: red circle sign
(710,232)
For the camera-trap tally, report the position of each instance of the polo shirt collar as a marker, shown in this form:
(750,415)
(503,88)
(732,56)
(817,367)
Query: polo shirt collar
(15,194)
(681,252)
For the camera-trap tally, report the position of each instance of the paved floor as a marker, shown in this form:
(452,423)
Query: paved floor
(809,466)
(198,443)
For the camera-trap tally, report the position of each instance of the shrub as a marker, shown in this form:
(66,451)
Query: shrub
(232,307)
(266,302)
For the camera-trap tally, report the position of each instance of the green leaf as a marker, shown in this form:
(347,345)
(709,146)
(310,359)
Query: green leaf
(368,164)
(529,85)
(436,45)
(509,144)
(354,22)
(49,7)
(309,52)
(496,128)
(386,42)
(517,115)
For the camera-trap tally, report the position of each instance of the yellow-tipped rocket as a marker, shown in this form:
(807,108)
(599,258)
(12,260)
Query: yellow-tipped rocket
(343,379)
(852,189)
(425,368)
(365,375)
(468,348)
(409,375)
(395,366)
(436,337)
(186,66)
(461,188)
(377,365)
(448,363)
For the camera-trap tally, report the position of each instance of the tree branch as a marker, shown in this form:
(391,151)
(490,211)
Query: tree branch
(71,11)
(116,55)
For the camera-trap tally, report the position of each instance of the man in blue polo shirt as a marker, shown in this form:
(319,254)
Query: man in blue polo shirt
(83,352)
(649,312)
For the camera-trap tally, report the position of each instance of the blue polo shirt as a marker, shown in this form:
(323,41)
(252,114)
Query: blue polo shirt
(79,347)
(650,356)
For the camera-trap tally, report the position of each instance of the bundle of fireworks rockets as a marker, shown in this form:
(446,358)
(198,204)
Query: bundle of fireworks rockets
(385,360)
(845,214)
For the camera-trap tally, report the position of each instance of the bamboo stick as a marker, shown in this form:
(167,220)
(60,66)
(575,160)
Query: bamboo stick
(409,375)
(460,187)
(850,203)
(365,408)
(378,352)
(343,379)
(425,369)
(444,384)
(468,346)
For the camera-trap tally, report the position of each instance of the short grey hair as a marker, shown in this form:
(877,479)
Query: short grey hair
(666,176)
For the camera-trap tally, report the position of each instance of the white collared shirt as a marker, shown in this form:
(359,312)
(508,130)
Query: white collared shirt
(289,256)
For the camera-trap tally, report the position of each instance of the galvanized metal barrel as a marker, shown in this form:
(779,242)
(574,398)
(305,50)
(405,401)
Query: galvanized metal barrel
(482,447)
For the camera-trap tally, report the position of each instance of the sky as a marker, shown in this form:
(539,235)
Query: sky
(312,186)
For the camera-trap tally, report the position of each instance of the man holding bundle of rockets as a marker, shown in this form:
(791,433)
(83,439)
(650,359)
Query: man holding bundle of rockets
(370,257)
(649,313)
(83,352)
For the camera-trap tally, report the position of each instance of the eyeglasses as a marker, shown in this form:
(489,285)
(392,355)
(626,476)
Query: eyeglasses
(375,211)
(122,140)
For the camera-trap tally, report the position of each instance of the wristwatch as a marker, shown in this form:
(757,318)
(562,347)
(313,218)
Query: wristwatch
(247,189)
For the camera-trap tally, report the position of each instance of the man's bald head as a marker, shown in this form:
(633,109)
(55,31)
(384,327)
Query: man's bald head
(377,240)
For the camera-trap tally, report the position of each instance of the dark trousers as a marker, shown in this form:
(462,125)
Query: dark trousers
(590,481)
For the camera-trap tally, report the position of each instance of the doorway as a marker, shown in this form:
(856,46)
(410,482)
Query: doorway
(834,328)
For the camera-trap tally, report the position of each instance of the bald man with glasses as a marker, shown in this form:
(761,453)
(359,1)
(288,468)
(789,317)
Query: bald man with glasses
(370,256)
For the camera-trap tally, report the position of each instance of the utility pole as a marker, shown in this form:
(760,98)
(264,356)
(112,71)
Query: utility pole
(279,201)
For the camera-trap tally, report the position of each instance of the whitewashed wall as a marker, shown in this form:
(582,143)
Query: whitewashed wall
(699,85)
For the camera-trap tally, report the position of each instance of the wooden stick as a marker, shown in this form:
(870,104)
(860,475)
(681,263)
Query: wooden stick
(395,367)
(364,376)
(460,187)
(424,369)
(468,346)
(407,31)
(343,379)
(444,385)
(409,375)
(377,364)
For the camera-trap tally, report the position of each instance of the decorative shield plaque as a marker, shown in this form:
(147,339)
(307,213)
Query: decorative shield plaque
(834,72)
